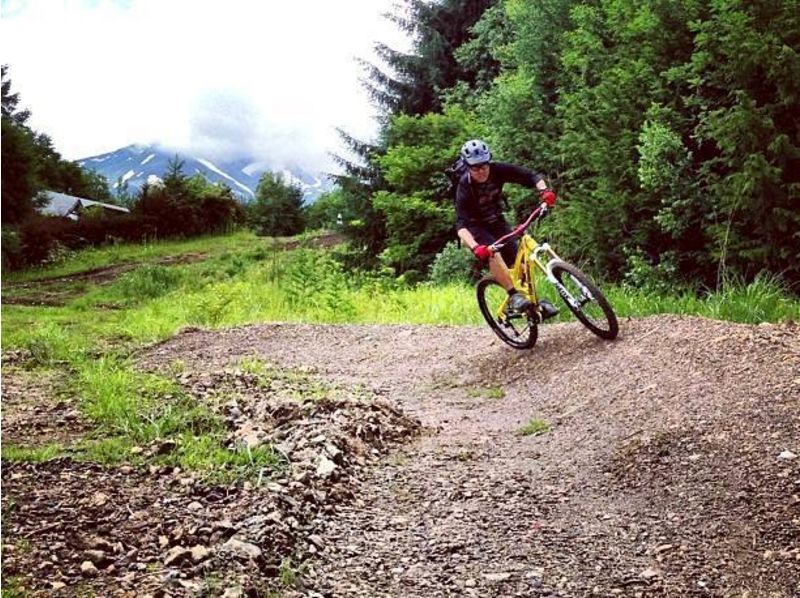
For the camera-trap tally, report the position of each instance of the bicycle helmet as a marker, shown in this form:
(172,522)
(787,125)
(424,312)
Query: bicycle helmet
(475,151)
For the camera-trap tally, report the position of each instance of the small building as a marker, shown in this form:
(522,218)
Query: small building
(69,206)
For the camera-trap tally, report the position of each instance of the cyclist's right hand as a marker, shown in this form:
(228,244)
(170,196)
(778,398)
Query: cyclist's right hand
(482,252)
(548,197)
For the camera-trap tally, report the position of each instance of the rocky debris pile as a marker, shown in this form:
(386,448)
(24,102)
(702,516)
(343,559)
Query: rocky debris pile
(320,431)
(164,529)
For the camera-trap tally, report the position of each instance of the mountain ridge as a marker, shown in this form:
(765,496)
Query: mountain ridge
(137,164)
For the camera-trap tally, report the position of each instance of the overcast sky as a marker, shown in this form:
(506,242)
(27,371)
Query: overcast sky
(268,78)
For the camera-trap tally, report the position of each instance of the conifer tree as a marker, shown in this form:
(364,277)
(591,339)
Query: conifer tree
(277,209)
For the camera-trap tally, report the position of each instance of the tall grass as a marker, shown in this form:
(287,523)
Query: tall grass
(244,281)
(148,251)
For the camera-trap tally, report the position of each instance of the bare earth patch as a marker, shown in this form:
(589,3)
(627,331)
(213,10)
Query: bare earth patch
(670,465)
(34,412)
(60,290)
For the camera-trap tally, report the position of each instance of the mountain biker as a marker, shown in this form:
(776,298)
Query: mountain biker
(480,220)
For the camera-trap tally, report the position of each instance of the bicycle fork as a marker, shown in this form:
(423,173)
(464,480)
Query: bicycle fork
(586,294)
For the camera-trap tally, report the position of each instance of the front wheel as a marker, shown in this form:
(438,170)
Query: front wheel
(518,330)
(585,300)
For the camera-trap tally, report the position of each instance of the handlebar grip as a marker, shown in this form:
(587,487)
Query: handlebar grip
(544,210)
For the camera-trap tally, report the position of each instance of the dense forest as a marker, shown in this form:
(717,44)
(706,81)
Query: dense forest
(669,129)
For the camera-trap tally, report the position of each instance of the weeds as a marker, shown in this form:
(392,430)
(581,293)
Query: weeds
(489,392)
(149,281)
(534,427)
(29,454)
(242,282)
(13,587)
(49,344)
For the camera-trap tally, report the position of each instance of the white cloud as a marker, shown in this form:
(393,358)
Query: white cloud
(268,77)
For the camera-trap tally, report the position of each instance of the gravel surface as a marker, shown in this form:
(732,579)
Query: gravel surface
(668,464)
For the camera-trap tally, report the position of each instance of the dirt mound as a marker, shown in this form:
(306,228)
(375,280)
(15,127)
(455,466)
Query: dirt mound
(82,526)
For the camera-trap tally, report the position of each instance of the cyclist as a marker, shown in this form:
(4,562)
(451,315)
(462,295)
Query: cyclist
(480,220)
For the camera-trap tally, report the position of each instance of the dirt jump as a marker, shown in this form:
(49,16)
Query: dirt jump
(435,461)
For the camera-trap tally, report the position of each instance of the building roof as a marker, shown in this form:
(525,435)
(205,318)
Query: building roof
(68,206)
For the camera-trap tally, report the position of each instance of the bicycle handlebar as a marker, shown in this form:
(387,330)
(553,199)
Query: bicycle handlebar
(540,212)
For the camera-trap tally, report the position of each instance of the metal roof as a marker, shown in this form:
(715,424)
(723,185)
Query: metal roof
(68,206)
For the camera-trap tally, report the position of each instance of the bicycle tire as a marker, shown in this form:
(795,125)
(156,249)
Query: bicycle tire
(571,278)
(520,331)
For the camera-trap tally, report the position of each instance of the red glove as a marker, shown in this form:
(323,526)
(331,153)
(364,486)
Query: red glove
(482,252)
(548,197)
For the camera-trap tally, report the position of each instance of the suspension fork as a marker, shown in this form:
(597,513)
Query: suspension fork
(548,271)
(533,256)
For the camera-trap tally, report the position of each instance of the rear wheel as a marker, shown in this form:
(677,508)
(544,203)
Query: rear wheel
(585,300)
(518,330)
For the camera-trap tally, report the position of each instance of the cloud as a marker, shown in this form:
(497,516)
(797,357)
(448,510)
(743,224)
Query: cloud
(226,79)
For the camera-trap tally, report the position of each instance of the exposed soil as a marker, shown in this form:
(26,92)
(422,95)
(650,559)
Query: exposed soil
(670,466)
(34,413)
(59,290)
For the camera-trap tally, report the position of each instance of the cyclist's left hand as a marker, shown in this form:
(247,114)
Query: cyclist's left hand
(482,252)
(548,196)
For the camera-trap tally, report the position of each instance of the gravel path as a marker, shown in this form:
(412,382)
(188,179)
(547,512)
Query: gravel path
(669,463)
(661,472)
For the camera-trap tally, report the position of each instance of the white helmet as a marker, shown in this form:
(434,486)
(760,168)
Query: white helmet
(475,151)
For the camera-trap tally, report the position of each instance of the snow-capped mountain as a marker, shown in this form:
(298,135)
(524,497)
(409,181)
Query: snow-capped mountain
(136,164)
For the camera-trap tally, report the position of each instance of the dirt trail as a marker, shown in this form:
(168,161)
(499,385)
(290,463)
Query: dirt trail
(670,466)
(661,470)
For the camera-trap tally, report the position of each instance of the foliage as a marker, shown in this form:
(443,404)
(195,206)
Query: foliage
(668,129)
(452,264)
(327,211)
(31,164)
(149,281)
(277,209)
(419,216)
(182,206)
(19,172)
(185,206)
(535,427)
(415,83)
(415,80)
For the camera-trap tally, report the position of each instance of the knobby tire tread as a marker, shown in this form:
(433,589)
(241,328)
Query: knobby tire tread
(558,269)
(496,326)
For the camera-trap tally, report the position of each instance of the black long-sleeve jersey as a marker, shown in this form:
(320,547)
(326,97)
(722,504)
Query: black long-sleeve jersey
(481,204)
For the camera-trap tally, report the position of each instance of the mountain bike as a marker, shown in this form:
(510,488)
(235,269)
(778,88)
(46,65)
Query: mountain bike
(534,262)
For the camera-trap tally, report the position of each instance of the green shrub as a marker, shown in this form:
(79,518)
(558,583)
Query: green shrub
(49,343)
(316,283)
(12,252)
(452,264)
(150,281)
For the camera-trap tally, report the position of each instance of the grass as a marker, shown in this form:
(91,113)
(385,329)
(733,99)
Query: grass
(290,573)
(534,427)
(243,280)
(13,587)
(30,454)
(490,392)
(152,251)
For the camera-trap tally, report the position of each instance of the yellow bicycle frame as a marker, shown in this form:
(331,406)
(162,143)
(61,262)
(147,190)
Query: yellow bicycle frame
(523,273)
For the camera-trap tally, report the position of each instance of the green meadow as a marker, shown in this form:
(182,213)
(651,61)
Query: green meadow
(92,333)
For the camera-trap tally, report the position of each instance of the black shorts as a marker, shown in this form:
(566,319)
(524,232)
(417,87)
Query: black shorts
(489,233)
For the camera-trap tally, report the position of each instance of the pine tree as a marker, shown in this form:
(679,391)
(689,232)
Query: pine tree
(277,209)
(20,167)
